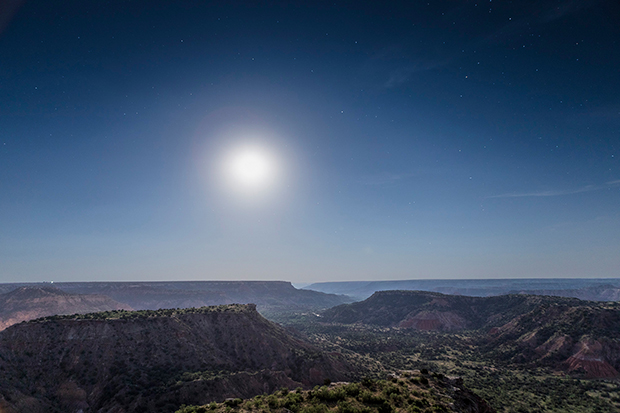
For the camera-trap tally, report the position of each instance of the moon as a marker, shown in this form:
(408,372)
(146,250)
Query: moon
(251,169)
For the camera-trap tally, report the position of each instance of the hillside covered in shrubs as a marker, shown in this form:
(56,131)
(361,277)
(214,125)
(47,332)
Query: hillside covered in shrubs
(406,392)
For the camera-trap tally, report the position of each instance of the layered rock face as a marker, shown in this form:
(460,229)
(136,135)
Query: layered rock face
(564,333)
(28,303)
(269,296)
(154,360)
(580,337)
(432,311)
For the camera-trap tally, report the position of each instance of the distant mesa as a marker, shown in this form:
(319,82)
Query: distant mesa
(420,310)
(602,292)
(27,303)
(434,321)
(269,296)
(594,289)
(567,334)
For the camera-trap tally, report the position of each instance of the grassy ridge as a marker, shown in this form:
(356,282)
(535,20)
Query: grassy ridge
(407,392)
(167,312)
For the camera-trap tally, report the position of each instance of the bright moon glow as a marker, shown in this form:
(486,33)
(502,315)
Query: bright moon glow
(251,169)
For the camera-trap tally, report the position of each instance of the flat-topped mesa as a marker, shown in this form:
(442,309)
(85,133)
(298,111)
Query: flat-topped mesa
(267,295)
(393,308)
(558,332)
(33,292)
(401,308)
(392,293)
(116,358)
(607,289)
(26,303)
(164,312)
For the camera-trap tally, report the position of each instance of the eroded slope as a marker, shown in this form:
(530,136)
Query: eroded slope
(28,303)
(154,360)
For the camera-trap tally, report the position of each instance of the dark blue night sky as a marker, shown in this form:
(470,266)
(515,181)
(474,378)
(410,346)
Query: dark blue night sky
(410,140)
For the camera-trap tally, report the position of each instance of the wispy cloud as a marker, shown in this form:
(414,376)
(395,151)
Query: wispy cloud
(402,75)
(566,8)
(548,193)
(385,178)
(396,65)
(547,15)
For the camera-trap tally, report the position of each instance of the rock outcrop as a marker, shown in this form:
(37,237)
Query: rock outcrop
(269,296)
(155,360)
(28,303)
(563,333)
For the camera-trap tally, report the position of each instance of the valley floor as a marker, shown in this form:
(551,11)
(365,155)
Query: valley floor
(508,387)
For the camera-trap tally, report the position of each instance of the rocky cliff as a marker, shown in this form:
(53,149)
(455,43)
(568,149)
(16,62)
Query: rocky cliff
(425,310)
(563,333)
(269,296)
(27,303)
(153,360)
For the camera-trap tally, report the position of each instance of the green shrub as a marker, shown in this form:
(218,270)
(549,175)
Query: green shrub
(233,402)
(346,407)
(397,399)
(319,408)
(367,382)
(352,389)
(325,394)
(421,403)
(272,401)
(385,407)
(367,397)
(389,390)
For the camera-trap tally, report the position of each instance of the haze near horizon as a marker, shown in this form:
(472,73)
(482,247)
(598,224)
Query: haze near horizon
(309,142)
